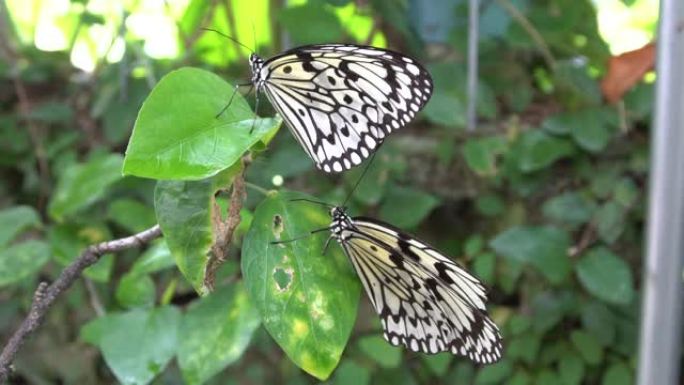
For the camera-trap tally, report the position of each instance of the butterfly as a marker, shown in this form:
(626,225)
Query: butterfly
(340,101)
(426,301)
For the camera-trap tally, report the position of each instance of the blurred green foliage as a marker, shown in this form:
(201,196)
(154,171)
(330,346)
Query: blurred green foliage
(544,201)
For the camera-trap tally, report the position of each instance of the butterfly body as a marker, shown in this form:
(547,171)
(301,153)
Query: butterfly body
(341,101)
(426,302)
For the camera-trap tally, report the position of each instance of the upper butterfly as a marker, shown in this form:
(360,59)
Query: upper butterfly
(340,100)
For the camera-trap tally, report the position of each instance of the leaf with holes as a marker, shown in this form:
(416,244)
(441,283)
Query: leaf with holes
(307,300)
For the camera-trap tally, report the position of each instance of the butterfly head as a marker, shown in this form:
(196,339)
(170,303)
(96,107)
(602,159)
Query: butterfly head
(340,221)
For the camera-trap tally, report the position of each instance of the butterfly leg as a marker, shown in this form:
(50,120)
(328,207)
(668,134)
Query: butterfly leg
(256,110)
(230,101)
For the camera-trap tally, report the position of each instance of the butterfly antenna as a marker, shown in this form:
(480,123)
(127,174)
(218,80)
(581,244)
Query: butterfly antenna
(311,201)
(228,37)
(300,237)
(358,181)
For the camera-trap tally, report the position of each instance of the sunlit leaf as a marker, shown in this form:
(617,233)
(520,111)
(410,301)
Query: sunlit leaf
(307,300)
(215,332)
(178,134)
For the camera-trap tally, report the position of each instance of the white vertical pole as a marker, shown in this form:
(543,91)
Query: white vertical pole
(473,37)
(660,340)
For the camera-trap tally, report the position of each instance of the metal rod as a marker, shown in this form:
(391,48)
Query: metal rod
(660,340)
(473,37)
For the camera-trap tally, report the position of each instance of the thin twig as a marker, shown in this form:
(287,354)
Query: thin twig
(95,301)
(224,229)
(46,295)
(531,30)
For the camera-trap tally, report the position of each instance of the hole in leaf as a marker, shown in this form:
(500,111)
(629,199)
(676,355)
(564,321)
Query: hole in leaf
(277,225)
(282,278)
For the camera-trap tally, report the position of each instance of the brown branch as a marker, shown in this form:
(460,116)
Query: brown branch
(225,229)
(46,295)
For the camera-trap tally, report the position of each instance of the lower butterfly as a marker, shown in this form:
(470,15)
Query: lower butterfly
(425,301)
(340,101)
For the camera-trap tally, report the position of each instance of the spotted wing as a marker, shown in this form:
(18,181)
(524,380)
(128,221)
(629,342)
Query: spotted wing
(426,302)
(340,101)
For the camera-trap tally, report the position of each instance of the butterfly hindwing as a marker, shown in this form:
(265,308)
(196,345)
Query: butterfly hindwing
(426,302)
(341,101)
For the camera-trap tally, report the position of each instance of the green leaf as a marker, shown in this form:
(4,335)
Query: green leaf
(372,188)
(307,301)
(311,23)
(474,244)
(543,247)
(549,308)
(626,192)
(83,184)
(438,363)
(610,221)
(546,376)
(617,374)
(215,332)
(606,276)
(131,215)
(68,241)
(599,321)
(586,345)
(570,207)
(136,345)
(520,377)
(14,220)
(481,153)
(446,108)
(20,261)
(494,373)
(490,205)
(135,290)
(157,257)
(591,134)
(539,150)
(484,267)
(184,211)
(380,351)
(524,347)
(405,207)
(178,135)
(351,373)
(571,369)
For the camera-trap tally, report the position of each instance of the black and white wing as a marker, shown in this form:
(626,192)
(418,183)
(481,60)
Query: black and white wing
(426,302)
(340,101)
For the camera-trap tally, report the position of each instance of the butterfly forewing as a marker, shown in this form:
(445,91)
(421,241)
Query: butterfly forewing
(426,302)
(340,101)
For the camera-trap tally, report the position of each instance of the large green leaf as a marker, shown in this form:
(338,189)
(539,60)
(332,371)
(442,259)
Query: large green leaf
(132,215)
(587,346)
(570,207)
(14,220)
(178,134)
(184,211)
(82,184)
(480,154)
(215,332)
(606,276)
(19,261)
(136,345)
(543,247)
(617,374)
(307,300)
